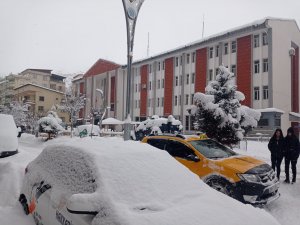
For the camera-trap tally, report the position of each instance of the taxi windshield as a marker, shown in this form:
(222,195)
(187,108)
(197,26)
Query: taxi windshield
(212,149)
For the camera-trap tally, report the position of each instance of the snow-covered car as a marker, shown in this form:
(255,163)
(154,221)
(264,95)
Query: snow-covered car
(8,136)
(106,181)
(85,130)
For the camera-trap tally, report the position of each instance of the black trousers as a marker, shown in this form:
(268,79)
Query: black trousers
(276,163)
(289,161)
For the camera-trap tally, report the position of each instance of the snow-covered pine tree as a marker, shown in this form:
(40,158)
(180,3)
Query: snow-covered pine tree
(219,113)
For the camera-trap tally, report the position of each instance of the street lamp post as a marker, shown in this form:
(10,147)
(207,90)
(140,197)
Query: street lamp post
(131,9)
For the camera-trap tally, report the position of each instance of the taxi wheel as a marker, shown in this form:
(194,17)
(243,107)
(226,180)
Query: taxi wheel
(221,185)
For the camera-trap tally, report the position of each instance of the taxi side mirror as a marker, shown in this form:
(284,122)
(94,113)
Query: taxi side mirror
(193,158)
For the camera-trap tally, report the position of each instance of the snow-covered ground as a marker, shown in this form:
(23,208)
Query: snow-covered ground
(285,209)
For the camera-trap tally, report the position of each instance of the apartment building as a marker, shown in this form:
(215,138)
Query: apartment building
(264,55)
(40,99)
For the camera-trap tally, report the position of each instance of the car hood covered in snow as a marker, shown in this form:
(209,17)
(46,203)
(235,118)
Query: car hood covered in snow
(138,185)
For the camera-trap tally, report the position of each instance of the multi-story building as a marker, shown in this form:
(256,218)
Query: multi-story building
(264,56)
(7,85)
(40,99)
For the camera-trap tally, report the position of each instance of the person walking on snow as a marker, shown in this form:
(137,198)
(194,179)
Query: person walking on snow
(276,146)
(292,154)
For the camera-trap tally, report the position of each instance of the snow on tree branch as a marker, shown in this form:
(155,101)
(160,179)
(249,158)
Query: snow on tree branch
(219,113)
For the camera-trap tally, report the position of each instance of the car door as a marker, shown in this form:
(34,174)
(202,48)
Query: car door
(185,155)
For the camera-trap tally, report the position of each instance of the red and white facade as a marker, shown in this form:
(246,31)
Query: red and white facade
(264,56)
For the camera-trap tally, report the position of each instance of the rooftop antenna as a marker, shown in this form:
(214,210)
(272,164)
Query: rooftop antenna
(203,27)
(148,46)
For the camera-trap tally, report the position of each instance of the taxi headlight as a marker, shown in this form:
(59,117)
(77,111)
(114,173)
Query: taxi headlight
(252,178)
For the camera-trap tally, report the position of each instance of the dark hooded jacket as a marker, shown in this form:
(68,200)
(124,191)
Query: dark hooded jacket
(292,145)
(277,147)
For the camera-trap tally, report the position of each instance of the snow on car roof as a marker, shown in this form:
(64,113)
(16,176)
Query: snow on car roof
(140,185)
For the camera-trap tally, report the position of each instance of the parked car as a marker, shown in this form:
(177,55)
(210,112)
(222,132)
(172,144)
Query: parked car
(8,136)
(244,178)
(106,181)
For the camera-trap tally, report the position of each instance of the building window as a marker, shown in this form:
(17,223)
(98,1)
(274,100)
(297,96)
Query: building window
(211,52)
(179,99)
(192,99)
(136,102)
(256,41)
(265,92)
(233,47)
(217,51)
(265,65)
(265,39)
(233,69)
(225,48)
(278,122)
(136,88)
(140,87)
(158,84)
(150,85)
(176,81)
(157,102)
(163,83)
(187,122)
(180,80)
(176,61)
(175,100)
(193,78)
(162,101)
(256,66)
(187,99)
(188,58)
(263,123)
(193,57)
(256,93)
(158,66)
(41,98)
(187,78)
(53,86)
(41,108)
(217,71)
(163,65)
(60,88)
(210,75)
(180,60)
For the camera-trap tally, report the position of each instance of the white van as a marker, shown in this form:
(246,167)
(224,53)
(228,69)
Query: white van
(8,136)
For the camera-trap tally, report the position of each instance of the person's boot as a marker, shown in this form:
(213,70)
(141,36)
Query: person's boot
(287,180)
(294,180)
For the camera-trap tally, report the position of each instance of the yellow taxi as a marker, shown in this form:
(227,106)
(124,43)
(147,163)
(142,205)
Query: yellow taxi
(244,178)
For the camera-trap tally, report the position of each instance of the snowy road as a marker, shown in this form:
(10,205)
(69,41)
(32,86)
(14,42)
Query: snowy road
(285,209)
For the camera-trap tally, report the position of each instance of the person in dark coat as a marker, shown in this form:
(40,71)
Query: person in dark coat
(276,146)
(292,154)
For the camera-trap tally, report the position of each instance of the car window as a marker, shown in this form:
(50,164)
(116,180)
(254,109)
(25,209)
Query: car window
(158,143)
(212,149)
(177,149)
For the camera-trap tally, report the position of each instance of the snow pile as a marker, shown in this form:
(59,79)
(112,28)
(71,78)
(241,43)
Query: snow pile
(136,184)
(156,122)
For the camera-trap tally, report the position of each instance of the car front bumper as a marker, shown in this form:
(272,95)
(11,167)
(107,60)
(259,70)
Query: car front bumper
(257,194)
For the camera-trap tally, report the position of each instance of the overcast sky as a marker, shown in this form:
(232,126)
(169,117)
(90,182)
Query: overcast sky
(69,36)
